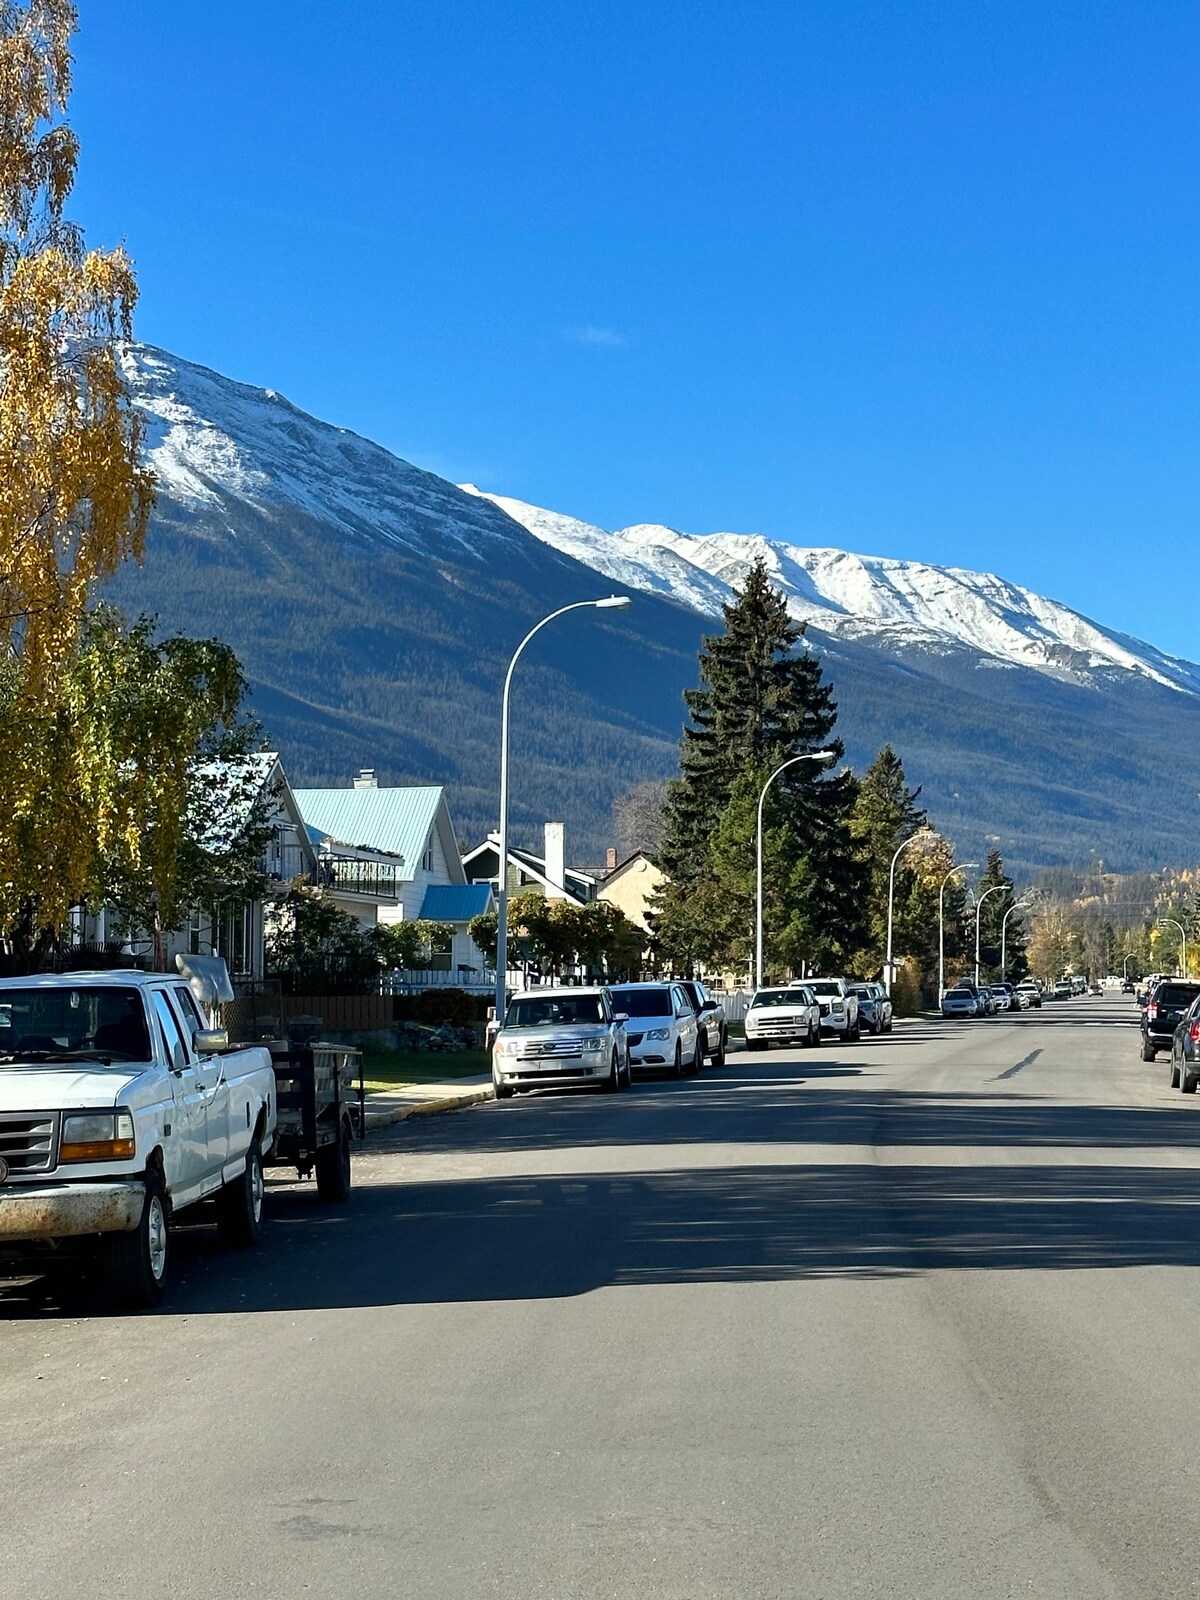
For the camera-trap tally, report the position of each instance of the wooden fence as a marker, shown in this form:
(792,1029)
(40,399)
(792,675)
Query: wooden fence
(256,1017)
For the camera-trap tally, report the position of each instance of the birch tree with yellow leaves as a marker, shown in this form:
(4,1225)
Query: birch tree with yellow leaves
(74,496)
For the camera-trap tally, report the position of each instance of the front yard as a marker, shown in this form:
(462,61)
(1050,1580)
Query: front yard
(392,1069)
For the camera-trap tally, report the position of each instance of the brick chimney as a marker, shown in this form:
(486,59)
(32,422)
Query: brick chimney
(610,859)
(366,779)
(556,861)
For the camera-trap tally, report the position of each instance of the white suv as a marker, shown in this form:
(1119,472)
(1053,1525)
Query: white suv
(662,1029)
(783,1016)
(839,1008)
(558,1038)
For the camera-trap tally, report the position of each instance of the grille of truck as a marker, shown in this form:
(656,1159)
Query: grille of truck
(28,1140)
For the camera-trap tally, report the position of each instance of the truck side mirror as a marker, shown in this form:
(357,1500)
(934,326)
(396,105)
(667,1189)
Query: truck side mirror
(210,1041)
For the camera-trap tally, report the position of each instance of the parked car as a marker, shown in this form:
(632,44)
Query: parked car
(1079,984)
(1031,992)
(1001,996)
(1062,989)
(883,1002)
(960,1002)
(1185,1050)
(714,1027)
(985,1006)
(560,1038)
(662,1028)
(870,1013)
(839,1007)
(120,1110)
(788,1015)
(1164,1013)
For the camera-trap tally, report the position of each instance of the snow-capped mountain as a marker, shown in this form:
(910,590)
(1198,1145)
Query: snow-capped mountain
(907,604)
(375,607)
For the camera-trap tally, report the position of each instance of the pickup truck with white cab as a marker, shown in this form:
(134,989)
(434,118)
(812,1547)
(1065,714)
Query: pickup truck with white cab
(120,1108)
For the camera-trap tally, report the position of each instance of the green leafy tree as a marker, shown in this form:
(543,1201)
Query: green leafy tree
(408,944)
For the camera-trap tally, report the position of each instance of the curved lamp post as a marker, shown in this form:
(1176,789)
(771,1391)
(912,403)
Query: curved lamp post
(1164,922)
(1017,905)
(811,755)
(614,602)
(925,835)
(995,889)
(962,867)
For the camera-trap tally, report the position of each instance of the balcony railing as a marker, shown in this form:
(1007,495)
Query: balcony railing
(352,876)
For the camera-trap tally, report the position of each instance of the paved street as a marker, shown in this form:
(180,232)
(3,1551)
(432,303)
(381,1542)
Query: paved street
(913,1317)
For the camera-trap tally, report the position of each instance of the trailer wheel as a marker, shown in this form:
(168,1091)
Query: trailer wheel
(333,1167)
(136,1263)
(240,1203)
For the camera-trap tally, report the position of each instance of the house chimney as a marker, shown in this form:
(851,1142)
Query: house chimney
(610,860)
(556,861)
(366,779)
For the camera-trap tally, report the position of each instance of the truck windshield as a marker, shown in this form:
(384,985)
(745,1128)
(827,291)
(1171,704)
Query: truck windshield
(778,997)
(92,1021)
(825,986)
(553,1011)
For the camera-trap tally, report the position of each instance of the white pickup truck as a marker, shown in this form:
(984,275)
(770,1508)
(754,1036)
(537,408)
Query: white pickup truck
(119,1108)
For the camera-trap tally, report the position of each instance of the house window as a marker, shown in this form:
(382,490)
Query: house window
(235,936)
(427,858)
(195,929)
(440,951)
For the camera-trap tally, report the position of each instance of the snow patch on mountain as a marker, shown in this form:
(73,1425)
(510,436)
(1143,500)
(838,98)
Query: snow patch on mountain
(902,604)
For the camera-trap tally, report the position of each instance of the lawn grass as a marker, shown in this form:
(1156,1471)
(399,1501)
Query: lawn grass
(392,1069)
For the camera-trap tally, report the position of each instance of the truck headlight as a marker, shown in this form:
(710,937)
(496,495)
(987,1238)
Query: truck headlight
(659,1033)
(97,1136)
(593,1044)
(505,1047)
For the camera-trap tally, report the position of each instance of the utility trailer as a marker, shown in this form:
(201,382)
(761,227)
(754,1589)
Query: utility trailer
(320,1100)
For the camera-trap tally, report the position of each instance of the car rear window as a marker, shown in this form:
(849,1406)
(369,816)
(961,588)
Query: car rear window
(1176,996)
(825,986)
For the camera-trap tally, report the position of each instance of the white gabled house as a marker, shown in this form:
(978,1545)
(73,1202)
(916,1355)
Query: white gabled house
(547,874)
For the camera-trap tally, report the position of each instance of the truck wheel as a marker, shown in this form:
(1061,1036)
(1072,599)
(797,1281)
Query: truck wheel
(719,1059)
(240,1203)
(1186,1082)
(136,1263)
(854,1033)
(502,1091)
(1148,1050)
(333,1168)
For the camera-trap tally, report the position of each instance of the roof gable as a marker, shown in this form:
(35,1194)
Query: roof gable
(397,821)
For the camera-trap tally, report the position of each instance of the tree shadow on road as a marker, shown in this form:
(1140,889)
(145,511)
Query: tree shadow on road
(547,1237)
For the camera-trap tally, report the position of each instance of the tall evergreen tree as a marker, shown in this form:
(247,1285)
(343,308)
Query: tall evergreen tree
(761,700)
(991,919)
(885,814)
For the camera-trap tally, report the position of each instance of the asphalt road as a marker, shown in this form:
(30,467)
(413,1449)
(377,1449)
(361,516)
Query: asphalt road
(916,1317)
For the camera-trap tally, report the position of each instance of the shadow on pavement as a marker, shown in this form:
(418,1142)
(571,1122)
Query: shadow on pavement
(544,1238)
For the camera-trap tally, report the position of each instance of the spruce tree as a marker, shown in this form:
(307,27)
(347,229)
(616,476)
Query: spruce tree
(991,922)
(885,814)
(762,699)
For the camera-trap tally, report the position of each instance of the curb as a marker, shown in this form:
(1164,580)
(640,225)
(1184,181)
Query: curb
(426,1108)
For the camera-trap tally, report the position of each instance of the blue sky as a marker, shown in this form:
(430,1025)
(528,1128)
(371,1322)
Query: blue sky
(913,279)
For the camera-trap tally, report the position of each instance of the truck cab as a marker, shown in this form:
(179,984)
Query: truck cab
(120,1108)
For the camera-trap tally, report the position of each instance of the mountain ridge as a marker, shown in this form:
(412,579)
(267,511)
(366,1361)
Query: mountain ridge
(375,607)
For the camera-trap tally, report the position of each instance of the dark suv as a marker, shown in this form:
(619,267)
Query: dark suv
(1164,1012)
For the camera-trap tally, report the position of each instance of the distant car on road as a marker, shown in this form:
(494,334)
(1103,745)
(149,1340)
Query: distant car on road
(1062,989)
(959,1002)
(560,1038)
(663,1029)
(874,1007)
(1031,992)
(1164,1013)
(1001,996)
(788,1015)
(714,1028)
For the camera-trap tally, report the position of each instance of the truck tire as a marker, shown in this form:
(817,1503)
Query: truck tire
(1148,1050)
(333,1168)
(719,1059)
(502,1091)
(136,1264)
(854,1034)
(1186,1082)
(240,1203)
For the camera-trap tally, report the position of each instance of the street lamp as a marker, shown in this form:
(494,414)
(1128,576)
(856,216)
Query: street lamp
(614,602)
(1017,905)
(1125,968)
(979,899)
(926,835)
(1163,922)
(811,755)
(962,867)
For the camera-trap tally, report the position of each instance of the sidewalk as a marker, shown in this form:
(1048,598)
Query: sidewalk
(422,1099)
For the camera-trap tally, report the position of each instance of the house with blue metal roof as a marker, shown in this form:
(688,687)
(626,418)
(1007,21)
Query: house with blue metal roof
(373,837)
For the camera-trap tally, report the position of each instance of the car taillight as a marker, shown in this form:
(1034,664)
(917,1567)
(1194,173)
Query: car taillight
(1151,1012)
(1194,1032)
